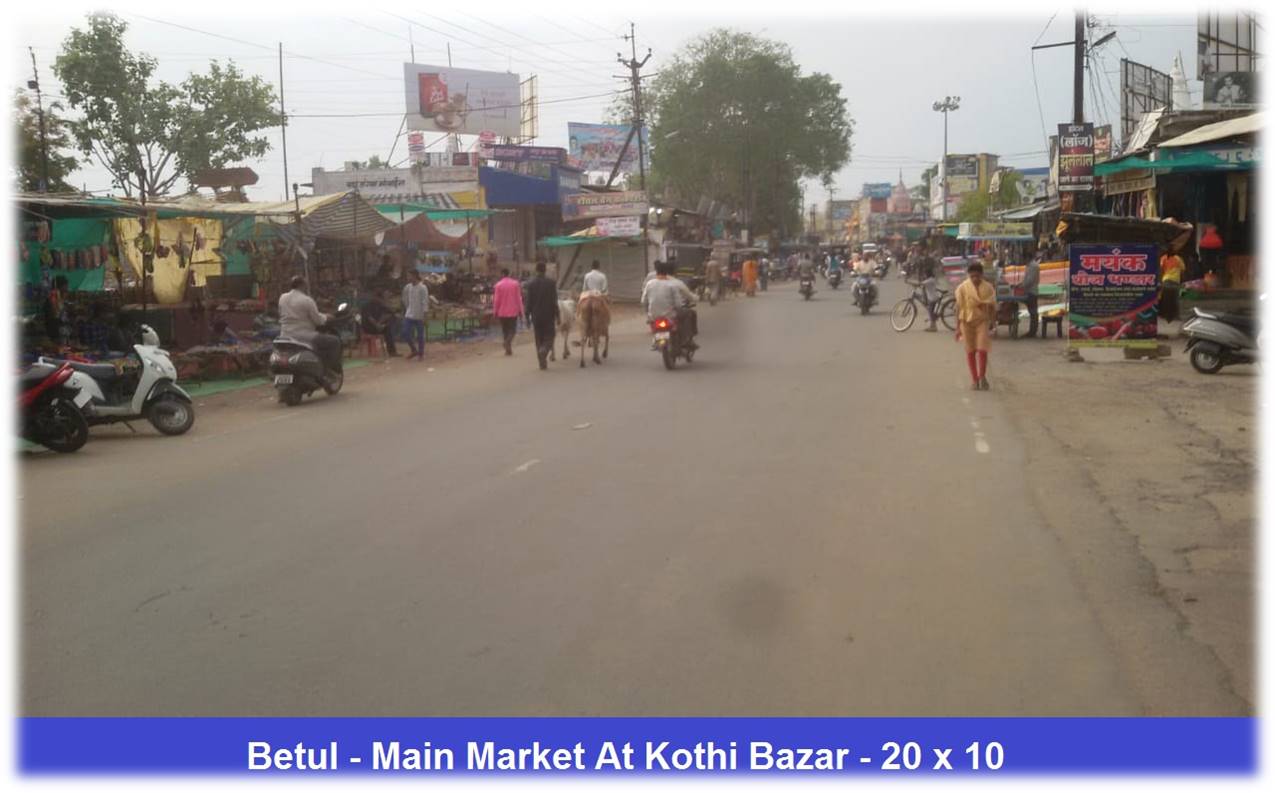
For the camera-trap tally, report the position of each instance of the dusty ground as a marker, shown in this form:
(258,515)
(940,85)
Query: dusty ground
(1169,456)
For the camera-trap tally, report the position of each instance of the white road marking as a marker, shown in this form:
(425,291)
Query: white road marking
(974,424)
(583,426)
(980,443)
(525,467)
(966,400)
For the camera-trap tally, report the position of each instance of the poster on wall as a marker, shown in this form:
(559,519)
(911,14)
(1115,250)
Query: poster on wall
(464,101)
(619,227)
(1230,89)
(1112,295)
(1075,157)
(1102,143)
(416,146)
(596,147)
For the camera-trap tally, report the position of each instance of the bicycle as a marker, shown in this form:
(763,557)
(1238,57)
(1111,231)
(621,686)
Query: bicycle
(905,311)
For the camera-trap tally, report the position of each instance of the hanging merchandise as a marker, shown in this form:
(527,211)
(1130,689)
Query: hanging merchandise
(59,262)
(199,240)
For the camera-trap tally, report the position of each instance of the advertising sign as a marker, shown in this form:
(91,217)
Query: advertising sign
(526,154)
(1230,89)
(1102,143)
(1075,157)
(603,205)
(883,189)
(619,227)
(999,230)
(464,101)
(962,175)
(1142,90)
(597,146)
(416,146)
(1112,295)
(841,210)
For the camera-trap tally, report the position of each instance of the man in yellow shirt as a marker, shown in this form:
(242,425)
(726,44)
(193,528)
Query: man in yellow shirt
(975,308)
(1171,267)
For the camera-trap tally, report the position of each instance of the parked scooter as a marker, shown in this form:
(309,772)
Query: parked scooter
(807,288)
(51,414)
(865,292)
(297,369)
(668,339)
(150,392)
(1218,338)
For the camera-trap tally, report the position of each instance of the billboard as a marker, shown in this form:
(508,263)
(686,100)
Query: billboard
(1075,157)
(1231,89)
(596,147)
(1113,291)
(840,211)
(416,146)
(1142,89)
(1102,143)
(1225,42)
(962,175)
(580,206)
(881,189)
(464,101)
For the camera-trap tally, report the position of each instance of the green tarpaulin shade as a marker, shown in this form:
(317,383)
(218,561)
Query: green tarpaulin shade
(393,211)
(1193,161)
(566,242)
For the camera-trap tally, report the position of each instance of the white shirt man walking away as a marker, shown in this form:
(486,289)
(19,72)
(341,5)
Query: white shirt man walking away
(595,281)
(415,304)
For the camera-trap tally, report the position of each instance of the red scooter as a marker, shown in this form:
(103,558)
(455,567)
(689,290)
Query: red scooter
(51,415)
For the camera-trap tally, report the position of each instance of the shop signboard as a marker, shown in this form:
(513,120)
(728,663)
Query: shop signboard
(580,206)
(598,146)
(463,101)
(1102,143)
(1000,230)
(1134,180)
(1075,157)
(548,154)
(619,227)
(1112,295)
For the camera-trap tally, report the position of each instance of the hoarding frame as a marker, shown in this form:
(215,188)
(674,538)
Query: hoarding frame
(1142,90)
(469,101)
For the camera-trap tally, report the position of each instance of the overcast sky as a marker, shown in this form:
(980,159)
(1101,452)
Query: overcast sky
(891,70)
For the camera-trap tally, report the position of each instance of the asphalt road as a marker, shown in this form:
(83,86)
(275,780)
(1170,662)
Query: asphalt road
(815,518)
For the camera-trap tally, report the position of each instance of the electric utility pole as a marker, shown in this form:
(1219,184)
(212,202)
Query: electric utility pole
(44,140)
(635,68)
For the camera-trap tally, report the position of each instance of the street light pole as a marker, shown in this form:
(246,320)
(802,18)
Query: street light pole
(948,104)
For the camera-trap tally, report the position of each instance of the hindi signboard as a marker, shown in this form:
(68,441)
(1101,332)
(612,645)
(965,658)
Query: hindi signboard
(464,101)
(1075,157)
(1113,292)
(581,206)
(598,146)
(619,227)
(526,154)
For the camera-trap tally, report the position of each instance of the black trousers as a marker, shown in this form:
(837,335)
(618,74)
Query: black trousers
(1033,303)
(546,331)
(328,348)
(688,322)
(508,327)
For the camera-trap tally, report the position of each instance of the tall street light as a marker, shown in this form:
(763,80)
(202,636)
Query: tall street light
(948,104)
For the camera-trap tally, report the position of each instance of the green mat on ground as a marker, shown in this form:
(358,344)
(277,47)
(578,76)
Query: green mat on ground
(210,387)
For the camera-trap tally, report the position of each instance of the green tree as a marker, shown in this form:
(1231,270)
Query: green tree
(976,206)
(28,169)
(733,118)
(149,133)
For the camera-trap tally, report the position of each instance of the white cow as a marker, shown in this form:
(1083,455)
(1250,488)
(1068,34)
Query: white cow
(566,320)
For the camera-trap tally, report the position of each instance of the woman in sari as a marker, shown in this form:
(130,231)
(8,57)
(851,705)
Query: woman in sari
(750,277)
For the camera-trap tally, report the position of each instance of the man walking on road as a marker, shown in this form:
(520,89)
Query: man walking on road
(1031,291)
(975,308)
(542,312)
(507,305)
(415,304)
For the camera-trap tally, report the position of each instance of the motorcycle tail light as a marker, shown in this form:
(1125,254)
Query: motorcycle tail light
(660,324)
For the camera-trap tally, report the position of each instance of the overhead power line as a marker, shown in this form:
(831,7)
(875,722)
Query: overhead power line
(491,107)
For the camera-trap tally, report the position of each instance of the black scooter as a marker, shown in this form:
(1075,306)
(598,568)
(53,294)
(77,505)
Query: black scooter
(297,369)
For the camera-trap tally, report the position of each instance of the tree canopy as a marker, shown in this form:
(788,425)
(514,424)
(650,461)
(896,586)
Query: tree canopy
(733,118)
(977,205)
(149,133)
(28,168)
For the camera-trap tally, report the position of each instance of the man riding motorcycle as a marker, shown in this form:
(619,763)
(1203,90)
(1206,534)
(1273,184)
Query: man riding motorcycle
(667,296)
(300,319)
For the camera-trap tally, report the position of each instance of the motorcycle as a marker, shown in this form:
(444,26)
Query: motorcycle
(882,268)
(834,278)
(807,288)
(1218,338)
(865,293)
(150,391)
(51,410)
(668,340)
(297,369)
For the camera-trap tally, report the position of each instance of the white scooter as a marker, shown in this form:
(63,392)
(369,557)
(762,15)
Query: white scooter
(151,392)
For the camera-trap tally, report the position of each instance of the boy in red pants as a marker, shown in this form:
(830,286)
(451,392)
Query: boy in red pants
(975,310)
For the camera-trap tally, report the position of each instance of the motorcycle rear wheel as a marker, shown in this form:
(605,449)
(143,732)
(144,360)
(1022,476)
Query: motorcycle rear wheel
(335,388)
(903,315)
(290,396)
(1206,361)
(670,358)
(62,427)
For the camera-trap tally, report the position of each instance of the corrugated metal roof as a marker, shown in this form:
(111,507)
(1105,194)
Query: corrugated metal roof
(1235,127)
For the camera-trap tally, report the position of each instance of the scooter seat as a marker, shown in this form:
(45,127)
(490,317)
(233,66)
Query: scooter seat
(33,377)
(288,341)
(98,371)
(1244,322)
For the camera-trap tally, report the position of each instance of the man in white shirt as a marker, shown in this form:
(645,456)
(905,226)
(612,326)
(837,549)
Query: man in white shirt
(300,319)
(595,281)
(415,304)
(666,296)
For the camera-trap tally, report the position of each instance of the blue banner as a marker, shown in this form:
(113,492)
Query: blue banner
(619,747)
(1113,293)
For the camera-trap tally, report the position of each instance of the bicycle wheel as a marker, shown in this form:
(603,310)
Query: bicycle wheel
(903,315)
(947,313)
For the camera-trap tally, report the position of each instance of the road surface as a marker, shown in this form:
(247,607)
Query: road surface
(815,518)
